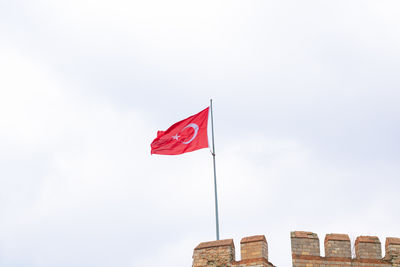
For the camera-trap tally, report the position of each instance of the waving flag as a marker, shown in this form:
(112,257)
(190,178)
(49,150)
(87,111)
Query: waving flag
(184,136)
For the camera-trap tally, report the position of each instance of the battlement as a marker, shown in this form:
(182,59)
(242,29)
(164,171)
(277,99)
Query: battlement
(254,252)
(305,243)
(337,245)
(305,252)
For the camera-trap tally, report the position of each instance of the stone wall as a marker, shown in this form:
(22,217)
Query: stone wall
(305,252)
(221,253)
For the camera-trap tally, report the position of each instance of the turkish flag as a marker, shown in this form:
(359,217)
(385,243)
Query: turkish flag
(184,136)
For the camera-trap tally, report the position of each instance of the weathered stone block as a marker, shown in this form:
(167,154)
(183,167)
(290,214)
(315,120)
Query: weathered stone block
(215,253)
(337,245)
(305,243)
(368,247)
(253,247)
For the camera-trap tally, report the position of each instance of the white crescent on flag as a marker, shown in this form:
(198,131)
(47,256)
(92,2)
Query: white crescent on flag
(195,128)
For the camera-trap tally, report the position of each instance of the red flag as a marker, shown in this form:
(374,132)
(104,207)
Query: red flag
(184,136)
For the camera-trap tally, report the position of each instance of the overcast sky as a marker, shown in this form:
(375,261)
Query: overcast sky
(306,110)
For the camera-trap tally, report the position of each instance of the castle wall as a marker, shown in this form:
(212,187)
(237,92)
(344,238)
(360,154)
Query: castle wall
(221,253)
(305,252)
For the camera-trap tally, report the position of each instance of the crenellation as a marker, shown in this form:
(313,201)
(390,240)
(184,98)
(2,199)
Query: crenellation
(221,253)
(337,245)
(254,247)
(214,253)
(305,252)
(305,243)
(368,247)
(392,250)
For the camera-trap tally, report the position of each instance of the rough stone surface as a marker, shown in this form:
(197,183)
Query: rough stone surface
(392,249)
(305,243)
(368,247)
(215,253)
(337,245)
(254,247)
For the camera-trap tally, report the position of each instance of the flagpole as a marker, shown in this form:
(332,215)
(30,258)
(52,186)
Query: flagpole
(215,173)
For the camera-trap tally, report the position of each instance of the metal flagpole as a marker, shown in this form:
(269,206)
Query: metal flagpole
(215,173)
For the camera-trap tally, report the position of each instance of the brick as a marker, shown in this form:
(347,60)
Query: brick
(368,247)
(337,245)
(253,247)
